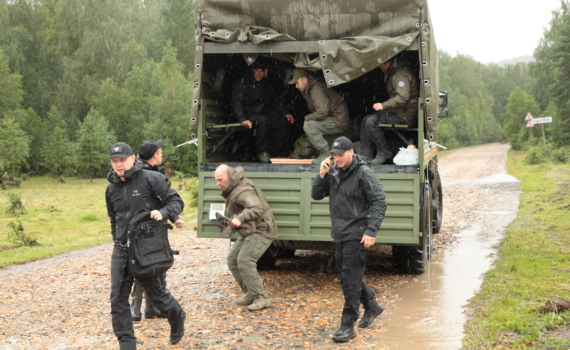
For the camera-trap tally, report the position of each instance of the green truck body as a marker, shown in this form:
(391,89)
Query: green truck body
(344,44)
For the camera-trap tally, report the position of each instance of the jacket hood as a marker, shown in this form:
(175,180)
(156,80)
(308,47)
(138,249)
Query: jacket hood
(113,178)
(236,175)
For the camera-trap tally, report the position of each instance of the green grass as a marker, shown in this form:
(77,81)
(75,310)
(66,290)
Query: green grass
(532,265)
(62,217)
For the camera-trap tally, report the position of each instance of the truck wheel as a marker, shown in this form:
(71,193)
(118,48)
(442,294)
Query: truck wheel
(437,204)
(269,258)
(286,253)
(415,260)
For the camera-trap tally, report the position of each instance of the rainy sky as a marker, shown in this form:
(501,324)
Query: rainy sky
(490,30)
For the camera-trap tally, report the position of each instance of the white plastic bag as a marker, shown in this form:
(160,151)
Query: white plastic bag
(407,156)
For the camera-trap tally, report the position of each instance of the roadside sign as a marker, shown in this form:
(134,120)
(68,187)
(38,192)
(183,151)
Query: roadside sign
(528,116)
(529,124)
(542,120)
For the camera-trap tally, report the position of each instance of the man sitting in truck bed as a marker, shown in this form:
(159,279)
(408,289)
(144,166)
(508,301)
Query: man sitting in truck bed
(255,104)
(329,112)
(401,108)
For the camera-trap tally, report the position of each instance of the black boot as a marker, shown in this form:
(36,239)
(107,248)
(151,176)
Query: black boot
(150,311)
(177,329)
(372,309)
(346,330)
(136,301)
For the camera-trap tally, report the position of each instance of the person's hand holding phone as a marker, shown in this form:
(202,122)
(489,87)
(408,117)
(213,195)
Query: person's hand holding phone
(326,166)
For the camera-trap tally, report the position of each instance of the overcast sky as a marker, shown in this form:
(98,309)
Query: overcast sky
(490,30)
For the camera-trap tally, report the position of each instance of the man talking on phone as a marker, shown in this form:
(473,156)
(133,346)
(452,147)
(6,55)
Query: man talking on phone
(357,204)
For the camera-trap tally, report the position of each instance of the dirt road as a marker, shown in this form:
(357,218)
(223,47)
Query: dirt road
(63,302)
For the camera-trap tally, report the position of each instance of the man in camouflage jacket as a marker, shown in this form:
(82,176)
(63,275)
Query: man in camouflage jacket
(401,108)
(246,204)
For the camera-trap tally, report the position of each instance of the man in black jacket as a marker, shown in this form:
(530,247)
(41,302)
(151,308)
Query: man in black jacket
(256,105)
(357,204)
(151,156)
(131,189)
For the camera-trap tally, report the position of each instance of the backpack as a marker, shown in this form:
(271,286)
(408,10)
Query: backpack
(149,251)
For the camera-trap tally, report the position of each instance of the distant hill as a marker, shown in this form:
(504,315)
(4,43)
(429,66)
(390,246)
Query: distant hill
(521,59)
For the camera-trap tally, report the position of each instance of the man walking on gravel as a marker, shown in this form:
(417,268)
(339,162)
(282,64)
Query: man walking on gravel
(246,204)
(130,189)
(151,156)
(357,204)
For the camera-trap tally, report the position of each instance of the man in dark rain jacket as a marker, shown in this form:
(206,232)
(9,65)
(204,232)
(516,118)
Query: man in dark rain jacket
(401,108)
(247,204)
(131,189)
(357,204)
(151,156)
(329,112)
(256,105)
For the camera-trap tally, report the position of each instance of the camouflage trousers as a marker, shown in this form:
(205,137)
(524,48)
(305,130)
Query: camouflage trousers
(242,262)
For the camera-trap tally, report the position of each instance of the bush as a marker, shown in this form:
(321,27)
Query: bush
(17,236)
(15,206)
(192,187)
(535,155)
(560,155)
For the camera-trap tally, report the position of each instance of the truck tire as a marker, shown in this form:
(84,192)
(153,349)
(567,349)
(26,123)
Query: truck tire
(269,258)
(415,259)
(287,253)
(437,204)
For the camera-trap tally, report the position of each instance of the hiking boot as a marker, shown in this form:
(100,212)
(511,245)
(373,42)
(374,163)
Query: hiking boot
(264,157)
(346,330)
(177,329)
(245,300)
(372,309)
(322,156)
(381,159)
(259,303)
(367,159)
(136,301)
(150,311)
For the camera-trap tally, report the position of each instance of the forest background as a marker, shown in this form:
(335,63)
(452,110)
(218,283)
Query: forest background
(79,75)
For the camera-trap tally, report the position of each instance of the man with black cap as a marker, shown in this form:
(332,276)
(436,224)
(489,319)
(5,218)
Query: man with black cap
(329,112)
(131,189)
(357,204)
(151,156)
(255,104)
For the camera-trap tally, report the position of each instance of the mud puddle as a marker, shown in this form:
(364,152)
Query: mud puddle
(430,314)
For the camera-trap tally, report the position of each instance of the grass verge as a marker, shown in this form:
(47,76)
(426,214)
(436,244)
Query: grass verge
(63,217)
(531,268)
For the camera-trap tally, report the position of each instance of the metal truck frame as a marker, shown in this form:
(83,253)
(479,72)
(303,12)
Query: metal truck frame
(327,37)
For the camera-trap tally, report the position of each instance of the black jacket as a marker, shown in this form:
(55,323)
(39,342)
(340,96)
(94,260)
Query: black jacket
(254,97)
(142,189)
(357,201)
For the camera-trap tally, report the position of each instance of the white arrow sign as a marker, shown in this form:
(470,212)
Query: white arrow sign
(541,120)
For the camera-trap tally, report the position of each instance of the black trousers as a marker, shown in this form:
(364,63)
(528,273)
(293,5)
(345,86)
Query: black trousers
(121,285)
(350,263)
(271,133)
(371,136)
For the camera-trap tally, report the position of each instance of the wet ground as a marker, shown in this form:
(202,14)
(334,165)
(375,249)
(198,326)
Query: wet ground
(62,302)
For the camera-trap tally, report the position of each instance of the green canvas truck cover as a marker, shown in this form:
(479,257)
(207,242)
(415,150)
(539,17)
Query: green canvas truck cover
(354,37)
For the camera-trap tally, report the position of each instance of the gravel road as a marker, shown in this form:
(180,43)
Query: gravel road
(62,302)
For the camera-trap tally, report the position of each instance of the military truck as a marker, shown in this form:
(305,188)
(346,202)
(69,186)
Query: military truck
(343,42)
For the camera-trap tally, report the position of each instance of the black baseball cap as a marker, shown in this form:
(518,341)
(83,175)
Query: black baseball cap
(149,148)
(121,150)
(341,145)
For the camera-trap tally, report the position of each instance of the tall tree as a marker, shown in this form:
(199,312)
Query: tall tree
(93,143)
(519,104)
(57,149)
(36,128)
(14,145)
(10,88)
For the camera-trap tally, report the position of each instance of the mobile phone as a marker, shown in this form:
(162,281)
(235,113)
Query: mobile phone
(332,159)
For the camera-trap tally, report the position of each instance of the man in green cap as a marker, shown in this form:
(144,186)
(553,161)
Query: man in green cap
(329,112)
